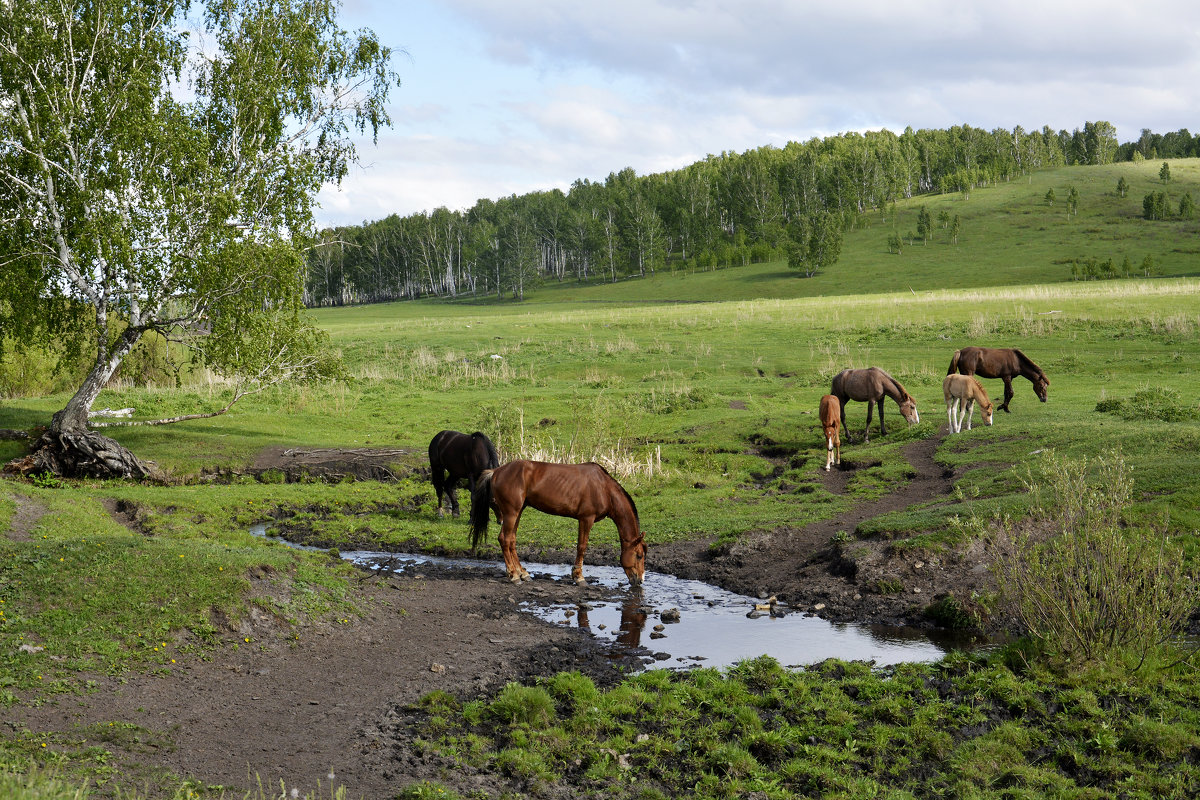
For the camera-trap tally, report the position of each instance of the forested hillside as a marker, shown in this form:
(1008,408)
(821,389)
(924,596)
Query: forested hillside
(735,208)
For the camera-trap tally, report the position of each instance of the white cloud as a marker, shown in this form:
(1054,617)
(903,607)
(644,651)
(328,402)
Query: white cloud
(503,98)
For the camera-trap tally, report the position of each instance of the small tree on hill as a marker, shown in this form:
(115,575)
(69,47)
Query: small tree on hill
(1164,173)
(815,244)
(1122,186)
(1154,206)
(1187,206)
(955,228)
(1072,202)
(1050,197)
(924,224)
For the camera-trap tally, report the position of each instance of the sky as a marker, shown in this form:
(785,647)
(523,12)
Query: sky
(503,97)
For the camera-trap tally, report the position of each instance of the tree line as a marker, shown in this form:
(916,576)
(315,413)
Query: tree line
(728,209)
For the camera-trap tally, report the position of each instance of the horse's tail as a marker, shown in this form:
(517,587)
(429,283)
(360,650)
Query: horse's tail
(493,458)
(954,362)
(481,506)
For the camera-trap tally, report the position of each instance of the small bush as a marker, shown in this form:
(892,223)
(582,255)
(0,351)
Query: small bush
(1158,402)
(1093,589)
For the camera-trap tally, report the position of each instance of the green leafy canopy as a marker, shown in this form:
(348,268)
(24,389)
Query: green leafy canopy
(158,169)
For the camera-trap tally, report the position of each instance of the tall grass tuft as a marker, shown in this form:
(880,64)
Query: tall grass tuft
(1080,581)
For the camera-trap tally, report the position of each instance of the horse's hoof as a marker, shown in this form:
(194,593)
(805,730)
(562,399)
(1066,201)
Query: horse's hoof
(525,576)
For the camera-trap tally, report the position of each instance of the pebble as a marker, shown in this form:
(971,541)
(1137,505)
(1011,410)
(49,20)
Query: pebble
(819,607)
(438,668)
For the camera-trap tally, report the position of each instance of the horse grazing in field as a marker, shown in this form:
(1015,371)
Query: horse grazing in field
(583,491)
(964,391)
(1003,363)
(831,412)
(872,385)
(454,456)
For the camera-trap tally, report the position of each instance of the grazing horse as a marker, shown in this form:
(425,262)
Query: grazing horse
(869,386)
(583,491)
(454,456)
(831,412)
(964,391)
(1003,363)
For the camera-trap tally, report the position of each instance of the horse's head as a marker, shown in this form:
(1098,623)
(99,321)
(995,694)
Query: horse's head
(908,408)
(987,408)
(633,560)
(1041,384)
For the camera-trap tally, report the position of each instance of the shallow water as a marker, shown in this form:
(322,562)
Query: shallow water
(713,627)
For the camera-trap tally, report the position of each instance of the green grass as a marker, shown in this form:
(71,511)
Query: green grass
(726,394)
(963,728)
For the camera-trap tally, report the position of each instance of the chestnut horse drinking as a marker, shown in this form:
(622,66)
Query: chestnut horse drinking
(831,411)
(869,386)
(1003,363)
(583,491)
(964,391)
(454,456)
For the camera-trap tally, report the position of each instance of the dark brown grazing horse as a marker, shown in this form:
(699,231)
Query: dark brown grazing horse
(454,456)
(1003,363)
(872,385)
(583,491)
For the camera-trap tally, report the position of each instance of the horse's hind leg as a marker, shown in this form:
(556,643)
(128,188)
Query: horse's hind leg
(585,528)
(970,412)
(508,546)
(452,492)
(438,489)
(882,432)
(1008,395)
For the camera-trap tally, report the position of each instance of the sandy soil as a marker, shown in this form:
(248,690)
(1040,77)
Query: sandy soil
(332,698)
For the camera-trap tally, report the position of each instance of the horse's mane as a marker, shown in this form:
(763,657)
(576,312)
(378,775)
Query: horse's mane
(904,395)
(628,497)
(1028,362)
(493,456)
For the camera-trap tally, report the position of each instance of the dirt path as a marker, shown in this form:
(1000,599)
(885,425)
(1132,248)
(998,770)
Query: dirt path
(332,698)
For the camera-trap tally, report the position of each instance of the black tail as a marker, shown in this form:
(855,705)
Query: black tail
(481,506)
(954,363)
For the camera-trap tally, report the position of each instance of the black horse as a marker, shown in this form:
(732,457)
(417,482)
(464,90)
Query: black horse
(453,456)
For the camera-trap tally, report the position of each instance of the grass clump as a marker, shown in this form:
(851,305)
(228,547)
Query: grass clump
(1158,403)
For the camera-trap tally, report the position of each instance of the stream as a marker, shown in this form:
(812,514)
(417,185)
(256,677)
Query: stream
(686,623)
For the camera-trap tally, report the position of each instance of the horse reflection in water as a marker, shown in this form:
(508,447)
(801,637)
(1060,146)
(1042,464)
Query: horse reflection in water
(633,619)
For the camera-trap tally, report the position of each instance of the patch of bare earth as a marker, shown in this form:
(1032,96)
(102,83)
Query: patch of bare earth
(25,519)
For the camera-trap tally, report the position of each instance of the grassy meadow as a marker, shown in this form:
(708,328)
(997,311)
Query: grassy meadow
(700,391)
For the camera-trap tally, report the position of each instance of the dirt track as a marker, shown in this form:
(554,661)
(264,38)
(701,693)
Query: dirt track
(331,698)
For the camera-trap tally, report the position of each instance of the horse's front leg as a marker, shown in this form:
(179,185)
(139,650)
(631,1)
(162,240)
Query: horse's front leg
(970,412)
(1008,394)
(508,546)
(867,432)
(882,432)
(585,528)
(452,492)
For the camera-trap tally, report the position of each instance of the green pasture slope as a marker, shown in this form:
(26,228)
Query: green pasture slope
(712,380)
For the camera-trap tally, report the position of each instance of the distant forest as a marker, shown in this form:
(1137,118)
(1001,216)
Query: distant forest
(735,208)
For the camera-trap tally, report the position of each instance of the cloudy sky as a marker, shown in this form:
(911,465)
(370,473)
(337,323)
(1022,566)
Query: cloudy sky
(502,97)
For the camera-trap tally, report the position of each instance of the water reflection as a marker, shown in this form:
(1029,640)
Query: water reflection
(692,623)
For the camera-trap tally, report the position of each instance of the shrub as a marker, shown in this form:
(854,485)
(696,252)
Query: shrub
(1093,588)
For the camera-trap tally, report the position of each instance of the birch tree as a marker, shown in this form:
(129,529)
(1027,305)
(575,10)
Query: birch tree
(158,173)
